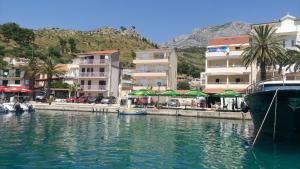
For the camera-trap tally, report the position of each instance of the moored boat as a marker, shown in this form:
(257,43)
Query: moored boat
(132,112)
(282,98)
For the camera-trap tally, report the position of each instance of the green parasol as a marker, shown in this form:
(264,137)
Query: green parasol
(228,93)
(141,92)
(195,93)
(169,92)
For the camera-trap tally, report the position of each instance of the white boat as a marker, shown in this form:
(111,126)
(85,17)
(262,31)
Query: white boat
(133,112)
(23,107)
(3,110)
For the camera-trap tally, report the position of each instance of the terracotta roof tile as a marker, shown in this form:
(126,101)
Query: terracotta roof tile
(229,40)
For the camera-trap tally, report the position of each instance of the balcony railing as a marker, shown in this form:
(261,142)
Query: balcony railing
(93,74)
(151,70)
(216,82)
(146,84)
(93,87)
(217,66)
(94,61)
(238,82)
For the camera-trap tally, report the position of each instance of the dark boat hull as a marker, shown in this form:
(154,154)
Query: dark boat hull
(288,112)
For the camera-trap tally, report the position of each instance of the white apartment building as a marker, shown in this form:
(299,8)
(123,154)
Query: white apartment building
(288,27)
(13,75)
(223,66)
(99,73)
(155,69)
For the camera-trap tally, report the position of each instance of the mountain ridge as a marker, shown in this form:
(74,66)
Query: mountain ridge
(200,36)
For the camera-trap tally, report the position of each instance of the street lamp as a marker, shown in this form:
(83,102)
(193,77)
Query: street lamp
(158,84)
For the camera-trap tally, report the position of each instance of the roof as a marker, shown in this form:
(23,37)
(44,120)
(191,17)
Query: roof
(100,52)
(62,67)
(242,39)
(219,90)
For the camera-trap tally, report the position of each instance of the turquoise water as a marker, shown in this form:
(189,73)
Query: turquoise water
(86,140)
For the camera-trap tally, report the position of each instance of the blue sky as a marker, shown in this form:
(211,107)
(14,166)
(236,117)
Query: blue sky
(159,20)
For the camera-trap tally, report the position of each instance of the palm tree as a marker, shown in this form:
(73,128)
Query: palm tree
(265,48)
(73,88)
(293,58)
(32,69)
(51,69)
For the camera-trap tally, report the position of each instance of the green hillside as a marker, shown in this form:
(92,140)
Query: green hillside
(191,61)
(56,42)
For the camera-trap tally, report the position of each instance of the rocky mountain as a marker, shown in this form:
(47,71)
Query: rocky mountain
(200,36)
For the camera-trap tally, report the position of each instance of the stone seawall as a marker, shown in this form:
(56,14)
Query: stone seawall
(97,108)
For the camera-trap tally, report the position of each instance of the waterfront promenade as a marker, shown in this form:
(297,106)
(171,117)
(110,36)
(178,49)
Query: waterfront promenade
(114,108)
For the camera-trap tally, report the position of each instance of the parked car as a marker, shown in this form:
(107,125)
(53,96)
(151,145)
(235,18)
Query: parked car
(96,99)
(71,100)
(40,97)
(82,100)
(173,103)
(108,100)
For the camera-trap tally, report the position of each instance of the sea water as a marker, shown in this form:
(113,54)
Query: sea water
(87,140)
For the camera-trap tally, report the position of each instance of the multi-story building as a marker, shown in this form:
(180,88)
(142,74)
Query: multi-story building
(155,69)
(288,27)
(99,73)
(223,66)
(12,75)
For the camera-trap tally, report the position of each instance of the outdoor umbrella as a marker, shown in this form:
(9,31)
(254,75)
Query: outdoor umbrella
(169,92)
(2,88)
(14,89)
(195,93)
(227,94)
(24,90)
(142,92)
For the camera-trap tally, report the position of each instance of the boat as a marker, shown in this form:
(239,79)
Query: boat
(275,108)
(18,108)
(3,110)
(132,112)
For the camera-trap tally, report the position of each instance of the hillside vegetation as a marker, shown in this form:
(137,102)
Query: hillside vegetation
(191,61)
(65,44)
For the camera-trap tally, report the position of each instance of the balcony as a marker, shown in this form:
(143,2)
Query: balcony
(93,61)
(151,61)
(231,54)
(93,87)
(149,73)
(93,74)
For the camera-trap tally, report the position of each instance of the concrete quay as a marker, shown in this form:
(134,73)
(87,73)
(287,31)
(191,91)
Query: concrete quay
(100,108)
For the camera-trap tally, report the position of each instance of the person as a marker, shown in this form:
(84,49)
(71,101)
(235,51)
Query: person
(232,104)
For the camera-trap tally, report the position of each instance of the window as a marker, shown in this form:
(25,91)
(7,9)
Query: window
(18,72)
(83,70)
(237,48)
(102,83)
(82,82)
(217,80)
(101,69)
(17,82)
(283,43)
(89,82)
(237,80)
(293,42)
(102,57)
(4,82)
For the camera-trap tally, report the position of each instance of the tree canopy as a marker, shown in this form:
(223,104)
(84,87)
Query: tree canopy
(265,48)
